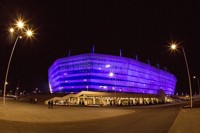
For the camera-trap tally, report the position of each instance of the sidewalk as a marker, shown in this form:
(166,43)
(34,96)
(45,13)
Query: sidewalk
(187,121)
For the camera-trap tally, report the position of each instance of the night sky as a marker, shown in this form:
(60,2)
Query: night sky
(141,27)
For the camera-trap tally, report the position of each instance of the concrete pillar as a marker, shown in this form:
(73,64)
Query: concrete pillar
(101,100)
(83,99)
(107,101)
(93,100)
(129,101)
(119,101)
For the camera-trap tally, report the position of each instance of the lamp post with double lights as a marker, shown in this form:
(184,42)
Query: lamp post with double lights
(112,75)
(174,47)
(19,30)
(196,77)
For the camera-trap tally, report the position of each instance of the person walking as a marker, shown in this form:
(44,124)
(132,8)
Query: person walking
(52,104)
(49,104)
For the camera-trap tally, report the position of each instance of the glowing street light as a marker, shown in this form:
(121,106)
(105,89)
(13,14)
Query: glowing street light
(20,25)
(112,75)
(11,30)
(174,46)
(29,33)
(196,77)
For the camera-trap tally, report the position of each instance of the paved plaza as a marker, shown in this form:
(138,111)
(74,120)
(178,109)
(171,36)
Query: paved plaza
(24,117)
(26,112)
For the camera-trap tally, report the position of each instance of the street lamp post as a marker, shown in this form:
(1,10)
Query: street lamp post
(115,92)
(174,47)
(20,27)
(196,77)
(112,75)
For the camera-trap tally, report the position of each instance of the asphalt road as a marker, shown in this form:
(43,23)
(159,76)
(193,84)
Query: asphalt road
(144,120)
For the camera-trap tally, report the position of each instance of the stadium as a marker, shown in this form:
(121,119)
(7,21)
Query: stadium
(108,79)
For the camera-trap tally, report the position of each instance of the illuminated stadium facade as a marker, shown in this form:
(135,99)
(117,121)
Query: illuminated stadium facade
(108,73)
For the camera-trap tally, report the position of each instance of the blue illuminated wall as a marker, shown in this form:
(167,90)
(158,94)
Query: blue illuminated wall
(100,72)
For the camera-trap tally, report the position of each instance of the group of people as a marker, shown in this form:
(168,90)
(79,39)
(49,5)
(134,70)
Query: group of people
(50,104)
